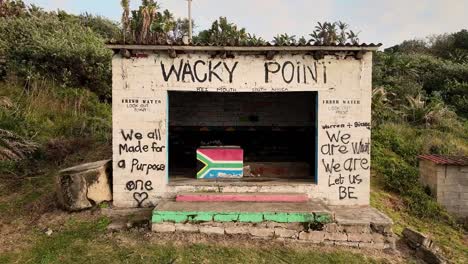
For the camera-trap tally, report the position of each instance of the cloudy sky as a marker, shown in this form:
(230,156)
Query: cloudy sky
(389,21)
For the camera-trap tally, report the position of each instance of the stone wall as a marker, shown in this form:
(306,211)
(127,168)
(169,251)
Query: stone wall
(140,114)
(362,236)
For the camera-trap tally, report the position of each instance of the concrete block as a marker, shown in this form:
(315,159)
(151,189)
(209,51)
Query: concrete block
(261,232)
(333,228)
(322,217)
(236,230)
(174,217)
(186,227)
(346,243)
(156,218)
(372,245)
(83,186)
(212,230)
(359,229)
(416,239)
(251,217)
(163,227)
(360,237)
(226,217)
(303,218)
(202,217)
(287,233)
(377,238)
(276,217)
(291,226)
(336,236)
(312,236)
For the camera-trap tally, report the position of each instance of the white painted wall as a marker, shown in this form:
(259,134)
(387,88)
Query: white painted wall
(344,113)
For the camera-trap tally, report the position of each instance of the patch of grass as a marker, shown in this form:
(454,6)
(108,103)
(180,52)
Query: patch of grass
(87,242)
(449,238)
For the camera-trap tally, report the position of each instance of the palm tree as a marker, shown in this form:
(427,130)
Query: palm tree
(285,39)
(331,34)
(316,38)
(353,37)
(322,32)
(343,27)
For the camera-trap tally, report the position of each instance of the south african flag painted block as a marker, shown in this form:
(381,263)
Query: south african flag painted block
(219,162)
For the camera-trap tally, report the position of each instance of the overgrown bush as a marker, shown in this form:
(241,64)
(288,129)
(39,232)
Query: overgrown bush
(66,52)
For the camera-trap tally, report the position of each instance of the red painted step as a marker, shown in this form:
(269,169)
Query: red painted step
(243,197)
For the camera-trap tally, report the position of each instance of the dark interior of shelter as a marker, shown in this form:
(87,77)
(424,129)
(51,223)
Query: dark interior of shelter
(276,131)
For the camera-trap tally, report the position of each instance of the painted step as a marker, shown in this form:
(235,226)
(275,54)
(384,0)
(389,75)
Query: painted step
(243,197)
(180,212)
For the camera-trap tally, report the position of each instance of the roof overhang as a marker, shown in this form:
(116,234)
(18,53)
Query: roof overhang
(266,48)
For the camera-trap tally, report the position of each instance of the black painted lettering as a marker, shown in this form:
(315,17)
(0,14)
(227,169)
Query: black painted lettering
(283,72)
(187,71)
(230,71)
(121,164)
(172,70)
(313,74)
(269,70)
(342,192)
(127,136)
(211,71)
(138,135)
(195,69)
(324,74)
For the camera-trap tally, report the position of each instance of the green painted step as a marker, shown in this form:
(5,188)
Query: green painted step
(178,212)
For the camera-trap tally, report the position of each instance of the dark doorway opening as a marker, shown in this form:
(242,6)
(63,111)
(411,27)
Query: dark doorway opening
(277,132)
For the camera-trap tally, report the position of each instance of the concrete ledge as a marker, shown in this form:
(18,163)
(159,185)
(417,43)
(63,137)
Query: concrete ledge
(178,212)
(243,197)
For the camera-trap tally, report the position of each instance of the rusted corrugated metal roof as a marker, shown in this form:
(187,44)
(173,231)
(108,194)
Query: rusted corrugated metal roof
(446,160)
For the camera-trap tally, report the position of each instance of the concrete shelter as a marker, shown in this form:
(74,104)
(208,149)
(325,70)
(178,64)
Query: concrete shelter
(447,178)
(301,114)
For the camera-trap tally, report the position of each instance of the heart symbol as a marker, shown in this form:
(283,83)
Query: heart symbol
(140,197)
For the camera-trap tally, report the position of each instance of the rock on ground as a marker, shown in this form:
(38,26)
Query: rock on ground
(85,185)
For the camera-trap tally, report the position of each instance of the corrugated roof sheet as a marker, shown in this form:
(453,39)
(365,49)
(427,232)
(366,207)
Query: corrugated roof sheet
(267,44)
(446,160)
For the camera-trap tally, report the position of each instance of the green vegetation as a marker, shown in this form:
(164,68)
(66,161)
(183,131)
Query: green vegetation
(54,112)
(80,241)
(419,107)
(59,47)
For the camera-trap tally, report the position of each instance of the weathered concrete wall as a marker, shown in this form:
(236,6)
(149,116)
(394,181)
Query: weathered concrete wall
(428,174)
(448,183)
(140,112)
(452,189)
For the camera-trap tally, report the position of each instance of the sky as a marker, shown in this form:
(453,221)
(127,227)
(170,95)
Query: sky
(388,22)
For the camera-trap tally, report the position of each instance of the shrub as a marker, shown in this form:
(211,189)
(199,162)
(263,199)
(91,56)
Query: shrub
(66,52)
